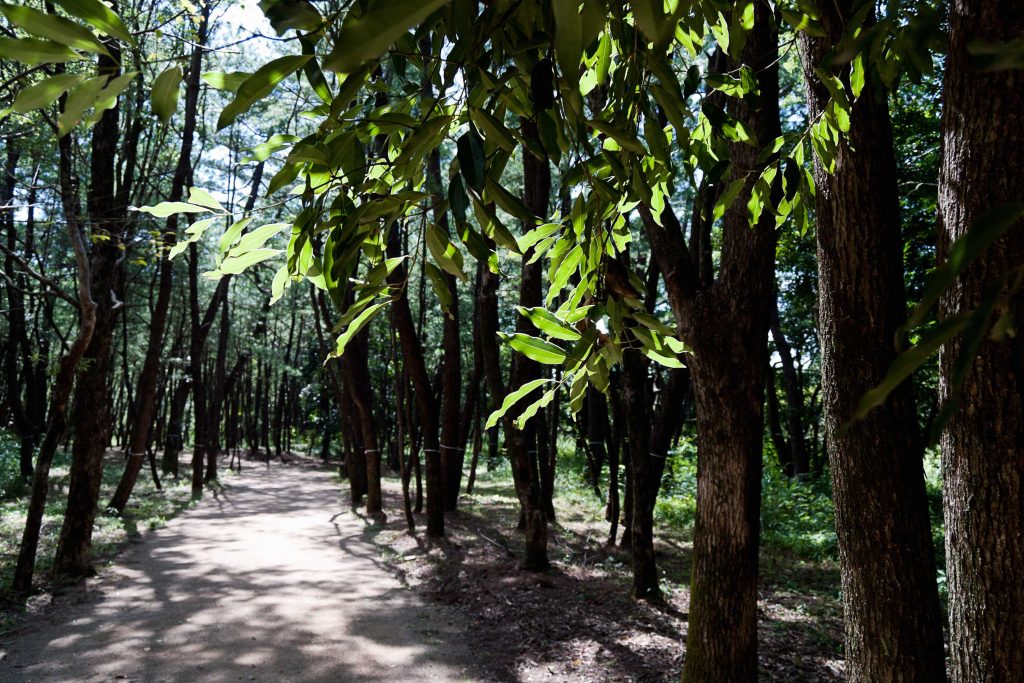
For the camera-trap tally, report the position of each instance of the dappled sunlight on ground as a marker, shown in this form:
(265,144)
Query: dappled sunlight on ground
(270,579)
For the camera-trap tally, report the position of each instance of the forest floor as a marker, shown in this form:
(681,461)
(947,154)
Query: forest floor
(272,578)
(577,622)
(267,579)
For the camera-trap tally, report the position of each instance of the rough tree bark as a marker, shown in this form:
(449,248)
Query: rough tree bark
(893,628)
(726,323)
(983,442)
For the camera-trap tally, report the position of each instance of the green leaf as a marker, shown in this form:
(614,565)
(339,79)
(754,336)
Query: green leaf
(626,140)
(508,202)
(426,136)
(512,398)
(45,92)
(257,238)
(367,35)
(259,85)
(982,233)
(440,284)
(165,209)
(353,327)
(997,56)
(108,96)
(232,234)
(654,347)
(910,360)
(548,323)
(577,24)
(81,99)
(194,232)
(535,348)
(533,408)
(493,129)
(53,27)
(536,235)
(279,284)
(201,197)
(262,151)
(805,23)
(32,51)
(727,198)
(233,265)
(288,14)
(99,16)
(564,271)
(165,93)
(857,76)
(444,252)
(226,81)
(470,153)
(650,18)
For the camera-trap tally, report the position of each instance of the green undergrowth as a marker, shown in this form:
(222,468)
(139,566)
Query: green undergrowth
(148,509)
(797,514)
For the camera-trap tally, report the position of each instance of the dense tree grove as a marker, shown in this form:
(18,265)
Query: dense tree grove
(422,237)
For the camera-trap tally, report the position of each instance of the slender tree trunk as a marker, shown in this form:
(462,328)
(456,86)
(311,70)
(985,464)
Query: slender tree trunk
(983,442)
(890,598)
(57,415)
(174,438)
(145,408)
(794,399)
(217,394)
(522,443)
(412,357)
(17,342)
(638,425)
(92,398)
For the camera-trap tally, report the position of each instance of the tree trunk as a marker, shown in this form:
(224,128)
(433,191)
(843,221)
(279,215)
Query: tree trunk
(63,383)
(983,442)
(426,405)
(726,322)
(638,425)
(17,346)
(893,628)
(145,407)
(791,386)
(92,398)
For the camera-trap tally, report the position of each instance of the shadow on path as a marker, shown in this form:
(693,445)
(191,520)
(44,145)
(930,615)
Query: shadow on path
(269,580)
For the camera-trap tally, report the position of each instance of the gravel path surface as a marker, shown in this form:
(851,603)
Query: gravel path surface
(272,579)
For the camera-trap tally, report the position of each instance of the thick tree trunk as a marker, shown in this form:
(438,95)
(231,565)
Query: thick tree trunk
(983,443)
(893,628)
(726,322)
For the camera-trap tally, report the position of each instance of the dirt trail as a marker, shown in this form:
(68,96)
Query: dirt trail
(271,580)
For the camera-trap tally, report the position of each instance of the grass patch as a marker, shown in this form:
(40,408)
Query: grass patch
(148,509)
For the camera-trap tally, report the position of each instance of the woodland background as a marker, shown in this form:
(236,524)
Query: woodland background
(741,279)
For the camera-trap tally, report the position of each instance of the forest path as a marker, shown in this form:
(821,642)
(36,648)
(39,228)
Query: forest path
(272,579)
